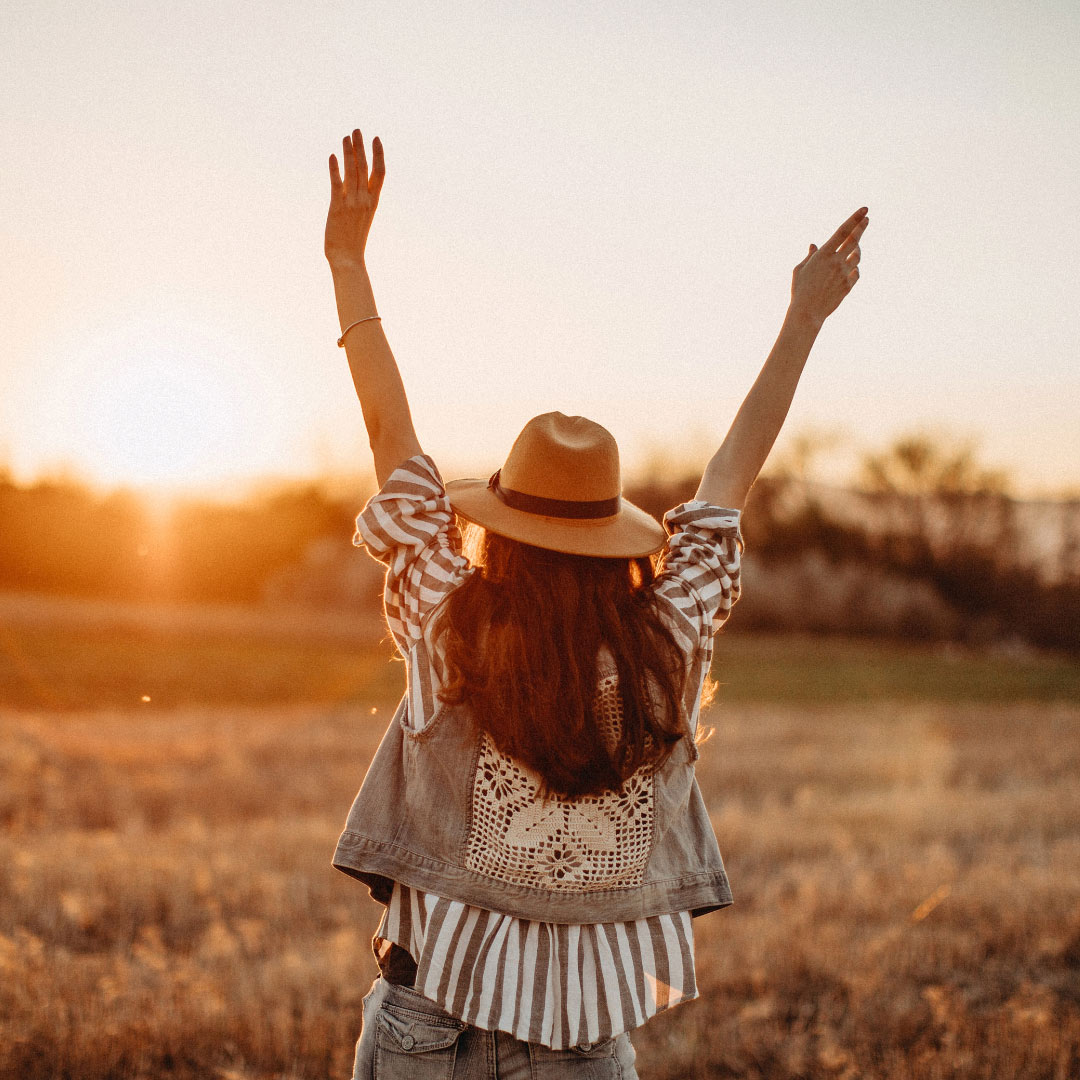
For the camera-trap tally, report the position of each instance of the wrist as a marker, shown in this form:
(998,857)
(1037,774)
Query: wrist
(346,264)
(803,320)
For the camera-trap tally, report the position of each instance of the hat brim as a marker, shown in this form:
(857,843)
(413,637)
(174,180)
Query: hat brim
(629,534)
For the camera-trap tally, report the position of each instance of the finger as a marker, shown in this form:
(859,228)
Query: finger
(845,230)
(852,257)
(361,161)
(335,179)
(378,168)
(813,248)
(852,277)
(349,158)
(854,236)
(841,234)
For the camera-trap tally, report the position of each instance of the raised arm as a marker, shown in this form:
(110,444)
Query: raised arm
(818,285)
(353,200)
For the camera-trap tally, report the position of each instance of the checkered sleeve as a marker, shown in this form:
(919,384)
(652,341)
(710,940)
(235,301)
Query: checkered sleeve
(409,525)
(701,575)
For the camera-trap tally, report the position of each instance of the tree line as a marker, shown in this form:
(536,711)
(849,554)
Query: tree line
(925,543)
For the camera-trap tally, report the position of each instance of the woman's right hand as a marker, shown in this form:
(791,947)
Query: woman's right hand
(828,273)
(353,200)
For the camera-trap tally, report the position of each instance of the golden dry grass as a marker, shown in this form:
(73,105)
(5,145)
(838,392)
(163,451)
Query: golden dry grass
(907,882)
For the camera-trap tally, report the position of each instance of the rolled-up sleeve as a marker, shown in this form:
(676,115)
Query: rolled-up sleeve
(410,527)
(701,575)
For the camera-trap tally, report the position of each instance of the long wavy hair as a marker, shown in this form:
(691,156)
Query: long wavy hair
(521,639)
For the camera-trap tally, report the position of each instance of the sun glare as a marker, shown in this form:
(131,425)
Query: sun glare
(167,416)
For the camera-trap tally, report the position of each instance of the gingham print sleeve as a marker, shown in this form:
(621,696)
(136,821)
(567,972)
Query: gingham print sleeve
(409,525)
(701,576)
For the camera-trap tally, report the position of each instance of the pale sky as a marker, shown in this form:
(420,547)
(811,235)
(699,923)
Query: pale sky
(588,207)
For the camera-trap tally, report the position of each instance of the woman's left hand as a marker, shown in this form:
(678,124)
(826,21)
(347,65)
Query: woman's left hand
(821,281)
(353,200)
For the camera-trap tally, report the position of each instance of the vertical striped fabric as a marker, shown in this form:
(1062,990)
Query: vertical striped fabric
(556,984)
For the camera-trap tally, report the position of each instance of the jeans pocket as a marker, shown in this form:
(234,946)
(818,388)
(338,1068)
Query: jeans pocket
(412,1045)
(595,1050)
(593,1061)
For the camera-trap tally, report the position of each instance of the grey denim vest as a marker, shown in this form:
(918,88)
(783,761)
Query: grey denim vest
(443,811)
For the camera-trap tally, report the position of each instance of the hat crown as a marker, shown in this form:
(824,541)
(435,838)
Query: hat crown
(570,458)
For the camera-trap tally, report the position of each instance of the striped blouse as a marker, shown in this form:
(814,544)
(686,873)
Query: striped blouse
(557,984)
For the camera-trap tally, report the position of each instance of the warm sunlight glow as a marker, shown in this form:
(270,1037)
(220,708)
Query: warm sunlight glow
(166,414)
(161,422)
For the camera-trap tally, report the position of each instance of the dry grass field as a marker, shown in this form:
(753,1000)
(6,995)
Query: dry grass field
(906,872)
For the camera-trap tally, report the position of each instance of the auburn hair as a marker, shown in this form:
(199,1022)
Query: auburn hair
(521,639)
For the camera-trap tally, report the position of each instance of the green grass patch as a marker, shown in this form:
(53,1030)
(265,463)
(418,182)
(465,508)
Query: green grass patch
(74,668)
(64,667)
(835,670)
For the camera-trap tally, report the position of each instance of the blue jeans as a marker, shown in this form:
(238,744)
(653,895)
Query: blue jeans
(407,1037)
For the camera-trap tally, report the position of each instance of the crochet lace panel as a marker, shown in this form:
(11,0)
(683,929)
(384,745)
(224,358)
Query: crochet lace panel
(596,842)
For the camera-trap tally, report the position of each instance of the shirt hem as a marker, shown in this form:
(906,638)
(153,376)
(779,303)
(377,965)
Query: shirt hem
(379,865)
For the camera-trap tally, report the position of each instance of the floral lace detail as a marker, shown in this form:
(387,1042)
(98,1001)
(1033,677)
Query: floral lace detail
(597,842)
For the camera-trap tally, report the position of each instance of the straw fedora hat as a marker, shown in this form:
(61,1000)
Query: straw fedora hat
(561,489)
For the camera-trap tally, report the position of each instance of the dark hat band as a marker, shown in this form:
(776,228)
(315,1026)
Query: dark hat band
(560,508)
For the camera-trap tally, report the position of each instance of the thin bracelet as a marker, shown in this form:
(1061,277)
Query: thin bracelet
(341,340)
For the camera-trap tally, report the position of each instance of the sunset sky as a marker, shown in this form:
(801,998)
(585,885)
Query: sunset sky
(588,207)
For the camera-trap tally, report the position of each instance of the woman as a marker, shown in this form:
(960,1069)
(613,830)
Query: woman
(531,820)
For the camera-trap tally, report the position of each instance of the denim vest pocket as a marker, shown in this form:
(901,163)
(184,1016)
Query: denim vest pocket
(413,1045)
